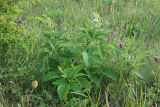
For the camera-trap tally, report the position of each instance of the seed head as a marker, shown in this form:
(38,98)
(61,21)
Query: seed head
(34,84)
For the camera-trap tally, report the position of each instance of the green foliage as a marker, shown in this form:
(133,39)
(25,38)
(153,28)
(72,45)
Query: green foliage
(51,75)
(81,52)
(109,72)
(63,90)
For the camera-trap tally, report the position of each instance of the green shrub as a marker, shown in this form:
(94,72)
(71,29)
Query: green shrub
(78,58)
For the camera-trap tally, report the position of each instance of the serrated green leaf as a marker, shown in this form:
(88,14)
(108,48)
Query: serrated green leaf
(51,75)
(84,83)
(60,81)
(68,72)
(63,91)
(75,86)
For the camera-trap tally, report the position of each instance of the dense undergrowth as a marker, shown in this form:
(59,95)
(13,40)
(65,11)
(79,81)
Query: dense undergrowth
(79,53)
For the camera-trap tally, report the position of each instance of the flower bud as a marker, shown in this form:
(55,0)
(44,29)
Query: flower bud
(34,84)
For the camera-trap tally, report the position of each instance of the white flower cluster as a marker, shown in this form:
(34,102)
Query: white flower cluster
(97,20)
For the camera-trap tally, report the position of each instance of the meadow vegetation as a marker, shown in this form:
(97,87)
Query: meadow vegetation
(79,53)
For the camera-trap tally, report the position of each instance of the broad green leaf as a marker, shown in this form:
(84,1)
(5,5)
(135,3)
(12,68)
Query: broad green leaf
(84,83)
(111,73)
(51,75)
(94,77)
(78,68)
(95,58)
(63,91)
(78,49)
(75,86)
(85,58)
(72,71)
(69,72)
(60,81)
